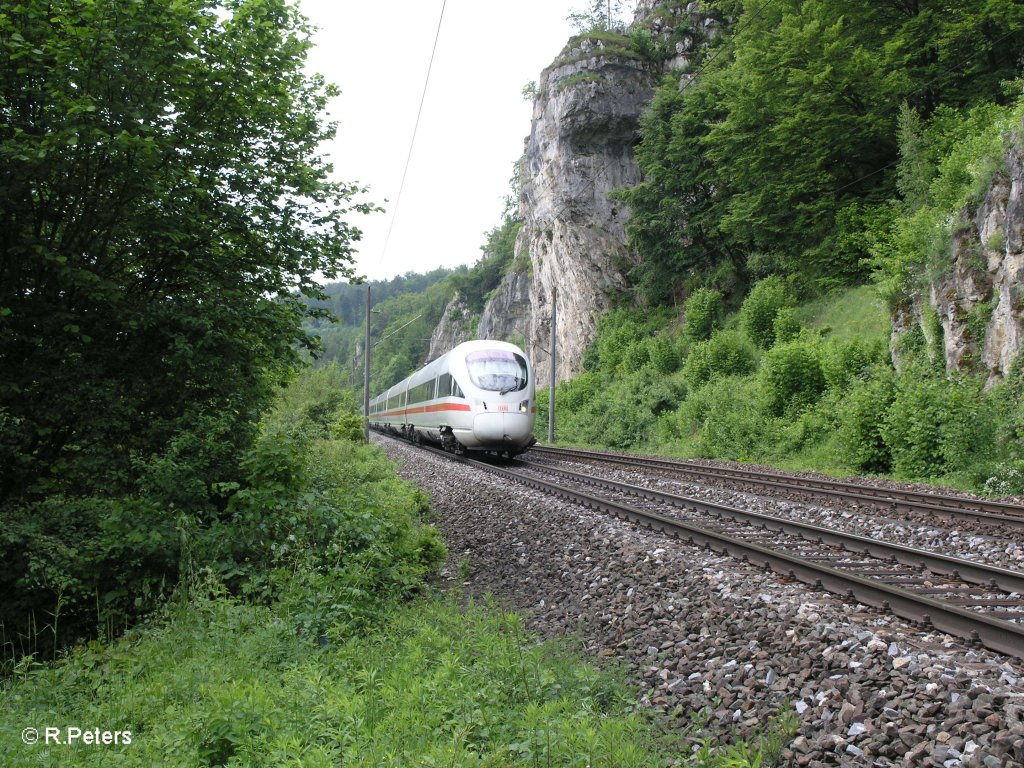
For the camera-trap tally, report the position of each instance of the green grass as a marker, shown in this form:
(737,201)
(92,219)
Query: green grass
(221,682)
(855,313)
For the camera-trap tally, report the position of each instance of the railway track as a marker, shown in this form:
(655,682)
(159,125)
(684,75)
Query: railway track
(927,504)
(977,603)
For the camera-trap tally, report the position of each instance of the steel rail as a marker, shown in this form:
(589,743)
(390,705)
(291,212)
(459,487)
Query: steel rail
(917,501)
(976,573)
(1002,636)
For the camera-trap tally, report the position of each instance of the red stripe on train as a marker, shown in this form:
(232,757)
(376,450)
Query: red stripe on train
(425,409)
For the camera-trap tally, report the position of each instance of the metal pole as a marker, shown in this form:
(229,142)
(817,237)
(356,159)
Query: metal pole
(551,390)
(366,369)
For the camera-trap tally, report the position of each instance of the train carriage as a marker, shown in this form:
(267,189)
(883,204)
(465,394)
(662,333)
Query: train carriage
(480,396)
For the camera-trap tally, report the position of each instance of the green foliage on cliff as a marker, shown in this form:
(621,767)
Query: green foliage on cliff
(945,168)
(813,146)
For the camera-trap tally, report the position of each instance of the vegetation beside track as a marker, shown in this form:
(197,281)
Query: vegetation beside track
(794,385)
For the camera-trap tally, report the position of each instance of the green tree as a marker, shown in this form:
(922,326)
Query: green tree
(677,207)
(761,308)
(704,313)
(597,14)
(164,207)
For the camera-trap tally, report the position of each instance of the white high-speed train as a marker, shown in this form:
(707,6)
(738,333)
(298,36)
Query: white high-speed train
(478,397)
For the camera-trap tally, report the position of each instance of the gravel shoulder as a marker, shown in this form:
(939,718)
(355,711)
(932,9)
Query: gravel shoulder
(702,633)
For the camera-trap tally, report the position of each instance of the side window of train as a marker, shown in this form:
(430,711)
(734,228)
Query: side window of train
(444,385)
(456,389)
(422,392)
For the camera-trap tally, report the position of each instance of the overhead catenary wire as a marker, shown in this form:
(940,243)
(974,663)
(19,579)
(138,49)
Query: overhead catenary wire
(412,141)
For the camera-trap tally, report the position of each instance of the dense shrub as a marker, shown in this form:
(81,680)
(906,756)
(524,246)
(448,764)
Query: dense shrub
(844,361)
(636,356)
(935,426)
(724,419)
(786,325)
(76,566)
(704,312)
(324,518)
(615,411)
(912,427)
(299,501)
(319,403)
(1007,400)
(618,333)
(862,416)
(664,354)
(576,394)
(726,353)
(791,376)
(757,315)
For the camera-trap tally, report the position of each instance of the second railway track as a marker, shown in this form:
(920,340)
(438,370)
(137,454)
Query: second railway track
(984,511)
(972,601)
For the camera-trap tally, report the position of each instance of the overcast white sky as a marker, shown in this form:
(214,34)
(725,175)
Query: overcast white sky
(472,127)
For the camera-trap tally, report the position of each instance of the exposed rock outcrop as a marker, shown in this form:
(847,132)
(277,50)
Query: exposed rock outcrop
(455,327)
(1000,224)
(980,298)
(508,313)
(585,118)
(580,148)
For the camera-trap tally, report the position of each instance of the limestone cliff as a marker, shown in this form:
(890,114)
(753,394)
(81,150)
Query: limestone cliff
(454,328)
(507,314)
(1000,225)
(580,147)
(586,114)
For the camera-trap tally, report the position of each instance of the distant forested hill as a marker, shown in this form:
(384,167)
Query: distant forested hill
(406,309)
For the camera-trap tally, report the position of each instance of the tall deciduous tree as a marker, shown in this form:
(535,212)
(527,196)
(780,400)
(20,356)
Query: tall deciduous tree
(162,207)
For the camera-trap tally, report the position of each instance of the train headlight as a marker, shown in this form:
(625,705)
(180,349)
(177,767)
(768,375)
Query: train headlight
(524,406)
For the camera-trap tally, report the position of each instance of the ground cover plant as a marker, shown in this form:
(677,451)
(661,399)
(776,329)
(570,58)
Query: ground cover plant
(217,681)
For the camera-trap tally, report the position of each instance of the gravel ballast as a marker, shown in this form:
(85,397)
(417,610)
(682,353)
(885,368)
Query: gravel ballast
(703,633)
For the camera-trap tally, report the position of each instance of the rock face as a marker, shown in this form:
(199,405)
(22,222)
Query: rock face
(505,317)
(507,314)
(1003,212)
(454,328)
(580,147)
(585,118)
(979,299)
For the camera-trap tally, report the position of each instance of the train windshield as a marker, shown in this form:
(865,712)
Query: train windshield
(497,370)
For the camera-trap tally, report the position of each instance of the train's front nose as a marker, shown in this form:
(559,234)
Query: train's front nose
(509,428)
